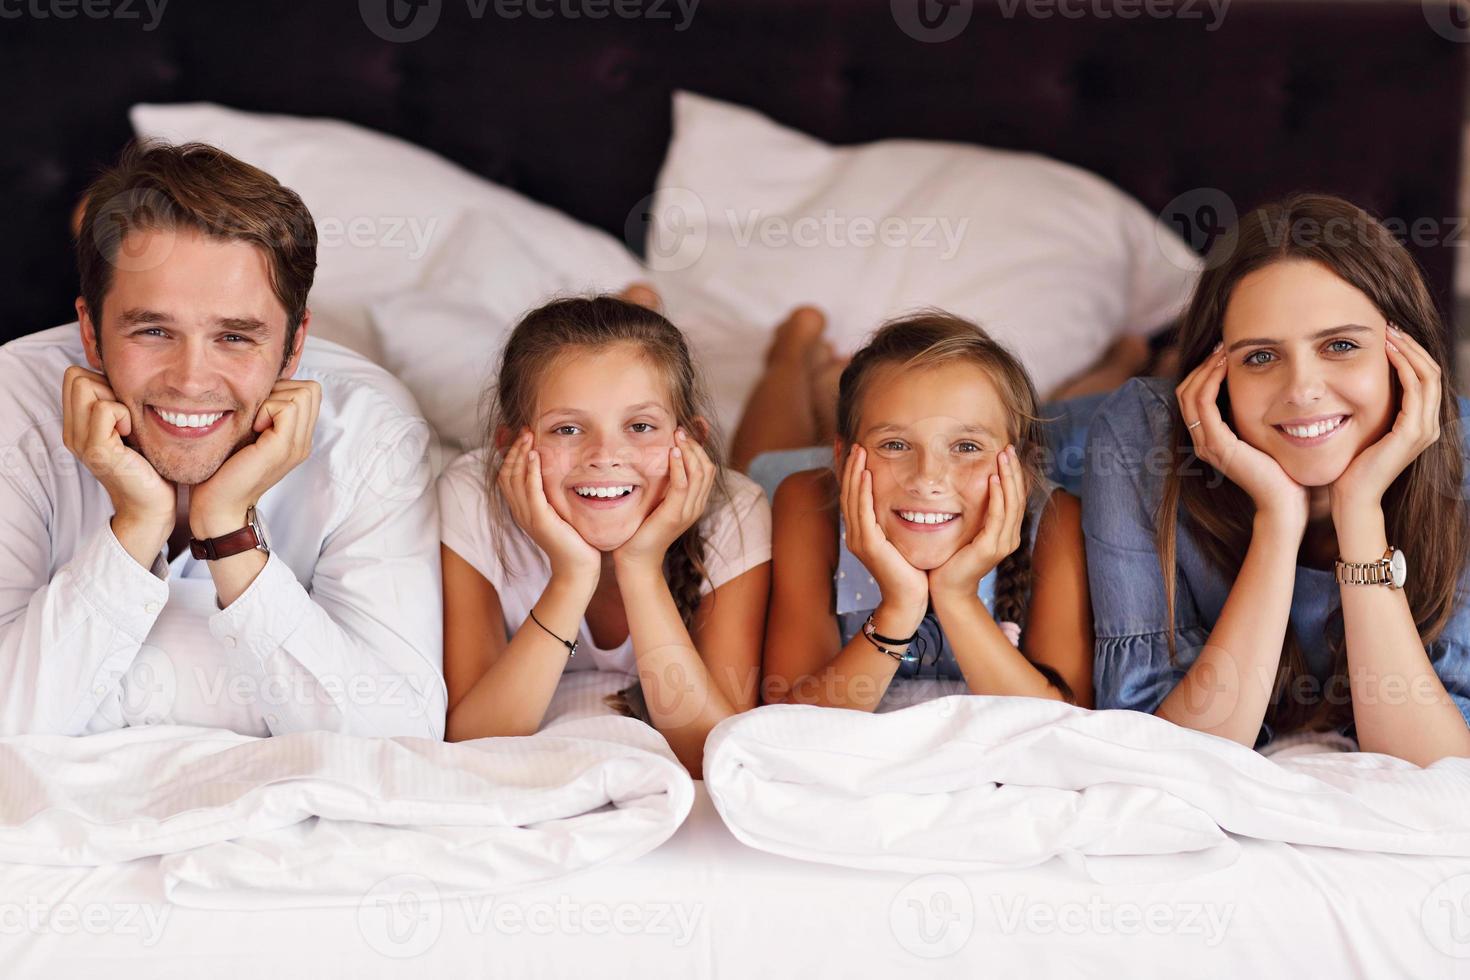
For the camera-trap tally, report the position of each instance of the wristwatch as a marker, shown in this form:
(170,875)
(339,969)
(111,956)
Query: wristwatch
(250,537)
(1390,570)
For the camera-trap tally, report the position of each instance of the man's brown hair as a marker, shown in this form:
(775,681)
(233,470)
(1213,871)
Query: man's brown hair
(155,185)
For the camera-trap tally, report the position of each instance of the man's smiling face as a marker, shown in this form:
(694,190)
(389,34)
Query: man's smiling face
(192,342)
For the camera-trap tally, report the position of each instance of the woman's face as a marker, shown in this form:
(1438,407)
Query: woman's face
(604,425)
(932,437)
(1309,380)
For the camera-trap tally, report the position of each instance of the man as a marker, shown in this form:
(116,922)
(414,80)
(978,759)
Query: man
(205,519)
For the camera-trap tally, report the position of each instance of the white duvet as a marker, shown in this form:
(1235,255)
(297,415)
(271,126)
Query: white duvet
(320,819)
(979,783)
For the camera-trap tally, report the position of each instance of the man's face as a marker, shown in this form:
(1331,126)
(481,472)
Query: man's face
(192,339)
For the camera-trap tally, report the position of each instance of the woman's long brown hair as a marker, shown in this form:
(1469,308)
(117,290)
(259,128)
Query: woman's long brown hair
(1424,505)
(595,323)
(932,337)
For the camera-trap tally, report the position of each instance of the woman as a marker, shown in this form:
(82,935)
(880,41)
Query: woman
(1279,544)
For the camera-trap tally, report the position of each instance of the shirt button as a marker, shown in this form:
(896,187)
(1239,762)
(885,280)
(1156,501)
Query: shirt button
(99,689)
(230,642)
(271,720)
(842,575)
(858,596)
(151,607)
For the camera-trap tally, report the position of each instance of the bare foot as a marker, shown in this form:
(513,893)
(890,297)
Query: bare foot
(779,413)
(797,336)
(644,295)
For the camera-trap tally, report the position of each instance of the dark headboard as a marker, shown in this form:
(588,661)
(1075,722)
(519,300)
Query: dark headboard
(1362,99)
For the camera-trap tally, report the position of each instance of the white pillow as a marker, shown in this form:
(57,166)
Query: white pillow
(390,215)
(444,350)
(1052,260)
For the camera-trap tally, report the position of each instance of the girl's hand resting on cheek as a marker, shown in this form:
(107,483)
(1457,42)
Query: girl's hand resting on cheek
(1255,472)
(960,576)
(520,481)
(898,581)
(1415,429)
(691,475)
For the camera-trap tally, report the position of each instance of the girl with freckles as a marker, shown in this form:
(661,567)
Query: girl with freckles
(601,533)
(934,549)
(1278,545)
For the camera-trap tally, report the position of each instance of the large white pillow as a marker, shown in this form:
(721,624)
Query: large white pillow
(1053,260)
(391,216)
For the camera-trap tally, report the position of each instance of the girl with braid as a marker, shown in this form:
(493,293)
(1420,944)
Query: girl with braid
(934,548)
(601,533)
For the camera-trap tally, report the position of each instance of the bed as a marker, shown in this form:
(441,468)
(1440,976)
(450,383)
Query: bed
(705,905)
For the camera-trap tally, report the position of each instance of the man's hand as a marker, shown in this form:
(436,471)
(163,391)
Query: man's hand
(286,422)
(93,424)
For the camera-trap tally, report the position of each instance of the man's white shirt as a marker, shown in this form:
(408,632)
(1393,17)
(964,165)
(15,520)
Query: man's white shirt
(341,631)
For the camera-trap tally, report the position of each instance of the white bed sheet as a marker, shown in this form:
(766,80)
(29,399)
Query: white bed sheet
(705,905)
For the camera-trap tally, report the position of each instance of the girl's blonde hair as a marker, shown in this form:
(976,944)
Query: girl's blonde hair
(589,324)
(932,337)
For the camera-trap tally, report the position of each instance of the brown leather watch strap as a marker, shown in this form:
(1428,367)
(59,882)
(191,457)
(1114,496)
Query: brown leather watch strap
(213,549)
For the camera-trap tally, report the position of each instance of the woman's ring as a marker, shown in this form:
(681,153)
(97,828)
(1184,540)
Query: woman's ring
(1195,423)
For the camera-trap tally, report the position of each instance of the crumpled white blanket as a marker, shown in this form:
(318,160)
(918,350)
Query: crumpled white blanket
(318,818)
(977,783)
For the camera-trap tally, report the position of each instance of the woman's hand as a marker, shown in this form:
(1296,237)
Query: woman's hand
(519,480)
(960,576)
(1255,472)
(1415,429)
(691,475)
(898,581)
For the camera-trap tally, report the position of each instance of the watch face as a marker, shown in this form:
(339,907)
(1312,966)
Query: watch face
(1398,569)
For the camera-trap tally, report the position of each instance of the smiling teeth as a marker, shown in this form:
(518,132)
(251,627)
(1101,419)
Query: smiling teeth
(920,517)
(603,491)
(1315,429)
(190,421)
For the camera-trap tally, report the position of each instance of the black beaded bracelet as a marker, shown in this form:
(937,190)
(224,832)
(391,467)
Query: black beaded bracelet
(878,640)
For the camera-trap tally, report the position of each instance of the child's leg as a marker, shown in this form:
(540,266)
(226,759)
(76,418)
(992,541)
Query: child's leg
(782,411)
